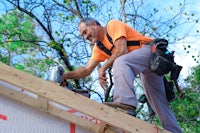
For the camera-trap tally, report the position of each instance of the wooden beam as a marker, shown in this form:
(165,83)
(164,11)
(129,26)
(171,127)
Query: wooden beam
(53,110)
(18,96)
(75,101)
(43,103)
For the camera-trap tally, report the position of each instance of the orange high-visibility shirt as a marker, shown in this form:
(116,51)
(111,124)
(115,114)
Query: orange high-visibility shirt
(117,29)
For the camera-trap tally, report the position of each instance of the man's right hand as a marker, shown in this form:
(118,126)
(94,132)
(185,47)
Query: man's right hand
(63,82)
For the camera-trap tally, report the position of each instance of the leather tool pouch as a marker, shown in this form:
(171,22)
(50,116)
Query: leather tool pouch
(162,60)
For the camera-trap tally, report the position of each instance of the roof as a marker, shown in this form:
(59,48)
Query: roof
(55,100)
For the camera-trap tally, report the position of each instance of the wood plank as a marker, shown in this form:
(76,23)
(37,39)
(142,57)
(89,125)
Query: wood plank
(43,103)
(75,101)
(57,112)
(18,96)
(94,127)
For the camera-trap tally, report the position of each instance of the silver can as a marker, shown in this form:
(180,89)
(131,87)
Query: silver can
(56,73)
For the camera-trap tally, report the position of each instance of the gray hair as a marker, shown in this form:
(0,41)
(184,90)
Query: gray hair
(89,21)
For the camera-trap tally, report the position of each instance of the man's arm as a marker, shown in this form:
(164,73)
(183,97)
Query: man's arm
(121,48)
(81,72)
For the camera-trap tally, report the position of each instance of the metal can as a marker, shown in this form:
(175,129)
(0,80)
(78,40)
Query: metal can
(56,73)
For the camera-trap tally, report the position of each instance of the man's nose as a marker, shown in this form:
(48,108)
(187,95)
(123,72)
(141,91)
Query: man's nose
(86,37)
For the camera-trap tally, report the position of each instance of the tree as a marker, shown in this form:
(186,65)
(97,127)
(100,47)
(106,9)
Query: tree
(187,111)
(19,43)
(57,22)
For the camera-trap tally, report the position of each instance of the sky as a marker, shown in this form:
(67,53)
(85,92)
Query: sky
(181,57)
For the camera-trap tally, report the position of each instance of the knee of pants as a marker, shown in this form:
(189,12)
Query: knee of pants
(120,68)
(119,63)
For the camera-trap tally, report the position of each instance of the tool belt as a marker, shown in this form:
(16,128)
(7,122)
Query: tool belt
(162,61)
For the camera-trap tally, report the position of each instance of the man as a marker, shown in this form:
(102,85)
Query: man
(129,56)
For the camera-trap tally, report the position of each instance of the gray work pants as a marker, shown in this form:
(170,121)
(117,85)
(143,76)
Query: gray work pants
(125,68)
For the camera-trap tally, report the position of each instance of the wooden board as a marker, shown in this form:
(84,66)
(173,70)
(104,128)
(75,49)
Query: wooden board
(75,101)
(51,109)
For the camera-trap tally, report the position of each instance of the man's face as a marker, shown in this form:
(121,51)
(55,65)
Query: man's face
(89,32)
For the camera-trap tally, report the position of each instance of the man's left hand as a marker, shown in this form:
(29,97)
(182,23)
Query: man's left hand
(102,78)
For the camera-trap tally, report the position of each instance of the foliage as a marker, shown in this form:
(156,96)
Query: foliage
(57,20)
(187,111)
(41,33)
(194,78)
(18,43)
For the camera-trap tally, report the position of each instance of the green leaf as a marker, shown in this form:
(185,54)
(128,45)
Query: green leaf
(19,67)
(49,62)
(154,28)
(72,17)
(60,15)
(57,47)
(185,13)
